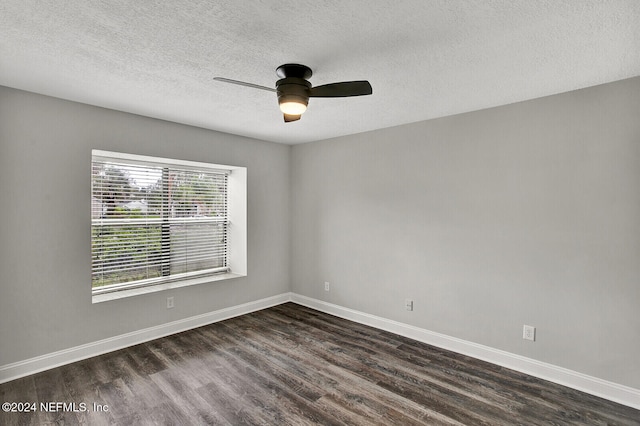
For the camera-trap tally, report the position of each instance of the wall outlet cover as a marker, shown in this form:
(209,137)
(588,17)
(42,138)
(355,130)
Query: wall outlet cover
(408,304)
(529,333)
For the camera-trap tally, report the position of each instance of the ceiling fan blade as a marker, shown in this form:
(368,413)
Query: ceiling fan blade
(291,117)
(341,90)
(243,83)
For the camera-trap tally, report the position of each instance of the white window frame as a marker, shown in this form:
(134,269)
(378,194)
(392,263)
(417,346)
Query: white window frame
(236,230)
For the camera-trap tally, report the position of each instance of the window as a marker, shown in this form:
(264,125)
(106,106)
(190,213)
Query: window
(156,222)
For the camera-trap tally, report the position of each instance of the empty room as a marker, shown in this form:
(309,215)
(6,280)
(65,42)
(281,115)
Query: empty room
(288,213)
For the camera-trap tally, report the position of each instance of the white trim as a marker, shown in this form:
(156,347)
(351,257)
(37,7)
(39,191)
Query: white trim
(592,385)
(602,388)
(99,297)
(147,160)
(66,356)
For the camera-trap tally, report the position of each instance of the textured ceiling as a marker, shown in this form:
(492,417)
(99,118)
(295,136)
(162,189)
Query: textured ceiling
(424,59)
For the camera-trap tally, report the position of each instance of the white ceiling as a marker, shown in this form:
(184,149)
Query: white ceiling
(424,59)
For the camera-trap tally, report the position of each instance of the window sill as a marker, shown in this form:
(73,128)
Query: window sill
(99,298)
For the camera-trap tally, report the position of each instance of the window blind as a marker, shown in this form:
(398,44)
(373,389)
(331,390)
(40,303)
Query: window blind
(154,222)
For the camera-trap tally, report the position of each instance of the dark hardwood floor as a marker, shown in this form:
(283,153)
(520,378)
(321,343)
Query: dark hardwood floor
(290,365)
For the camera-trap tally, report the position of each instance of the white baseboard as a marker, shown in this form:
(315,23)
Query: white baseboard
(45,362)
(592,385)
(612,391)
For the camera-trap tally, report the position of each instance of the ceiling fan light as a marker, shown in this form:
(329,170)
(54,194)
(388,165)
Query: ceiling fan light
(293,107)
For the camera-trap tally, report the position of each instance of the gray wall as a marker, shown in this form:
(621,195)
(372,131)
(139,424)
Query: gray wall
(522,214)
(45,154)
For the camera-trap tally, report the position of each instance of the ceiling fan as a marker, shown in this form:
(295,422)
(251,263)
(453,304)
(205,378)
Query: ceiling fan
(294,90)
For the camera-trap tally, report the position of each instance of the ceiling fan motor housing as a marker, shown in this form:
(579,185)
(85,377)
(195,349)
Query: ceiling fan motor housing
(293,89)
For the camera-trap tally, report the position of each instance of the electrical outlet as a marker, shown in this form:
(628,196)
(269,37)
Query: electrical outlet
(408,304)
(529,333)
(327,286)
(170,302)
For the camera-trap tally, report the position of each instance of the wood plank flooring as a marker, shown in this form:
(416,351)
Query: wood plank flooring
(291,365)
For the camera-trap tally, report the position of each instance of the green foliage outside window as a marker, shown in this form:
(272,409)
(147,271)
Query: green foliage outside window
(136,230)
